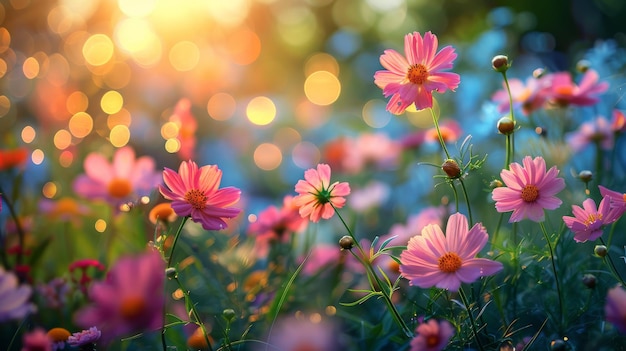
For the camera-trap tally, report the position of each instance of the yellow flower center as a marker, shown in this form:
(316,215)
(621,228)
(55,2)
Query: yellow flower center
(432,340)
(417,74)
(132,307)
(196,198)
(530,193)
(119,188)
(450,262)
(592,218)
(161,212)
(58,334)
(66,205)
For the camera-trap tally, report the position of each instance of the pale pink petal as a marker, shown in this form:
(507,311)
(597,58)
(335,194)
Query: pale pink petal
(394,62)
(124,162)
(384,78)
(98,168)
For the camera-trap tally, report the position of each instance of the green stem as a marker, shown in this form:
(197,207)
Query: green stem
(194,312)
(511,113)
(441,141)
(456,197)
(180,229)
(370,270)
(471,317)
(609,262)
(467,200)
(554,270)
(18,226)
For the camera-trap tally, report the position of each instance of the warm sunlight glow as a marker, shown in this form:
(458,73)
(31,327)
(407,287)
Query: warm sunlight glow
(81,124)
(261,111)
(184,56)
(267,156)
(28,134)
(221,106)
(111,102)
(322,88)
(98,49)
(119,136)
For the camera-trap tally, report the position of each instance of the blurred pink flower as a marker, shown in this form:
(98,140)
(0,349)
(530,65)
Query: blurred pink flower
(414,225)
(125,179)
(187,126)
(130,300)
(528,98)
(37,340)
(432,336)
(276,224)
(298,334)
(588,222)
(618,200)
(317,196)
(615,308)
(597,131)
(529,190)
(371,150)
(372,195)
(564,92)
(65,209)
(322,256)
(411,79)
(84,337)
(450,132)
(195,192)
(618,121)
(432,259)
(14,298)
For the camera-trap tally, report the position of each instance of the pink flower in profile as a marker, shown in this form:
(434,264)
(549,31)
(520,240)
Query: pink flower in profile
(564,92)
(125,179)
(411,79)
(527,98)
(618,200)
(130,300)
(596,131)
(615,308)
(432,336)
(187,126)
(588,222)
(14,297)
(432,259)
(317,197)
(450,132)
(618,121)
(195,193)
(276,224)
(529,190)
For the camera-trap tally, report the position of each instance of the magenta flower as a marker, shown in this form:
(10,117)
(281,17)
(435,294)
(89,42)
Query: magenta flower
(414,225)
(129,301)
(411,79)
(195,193)
(37,340)
(564,92)
(527,98)
(14,297)
(317,196)
(618,200)
(125,179)
(597,131)
(432,336)
(615,308)
(529,190)
(588,222)
(432,259)
(84,337)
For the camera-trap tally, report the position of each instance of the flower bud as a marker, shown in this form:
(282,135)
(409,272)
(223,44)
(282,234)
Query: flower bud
(585,176)
(346,242)
(590,280)
(538,73)
(229,314)
(600,250)
(500,63)
(171,272)
(583,66)
(496,183)
(506,125)
(451,168)
(559,345)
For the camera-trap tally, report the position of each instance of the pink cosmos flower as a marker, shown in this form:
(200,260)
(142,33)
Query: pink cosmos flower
(529,190)
(322,256)
(276,224)
(414,225)
(14,297)
(371,149)
(125,179)
(130,300)
(528,98)
(618,200)
(564,92)
(195,192)
(432,336)
(411,79)
(37,340)
(317,196)
(372,195)
(297,334)
(432,259)
(597,131)
(615,308)
(588,222)
(450,132)
(187,126)
(618,121)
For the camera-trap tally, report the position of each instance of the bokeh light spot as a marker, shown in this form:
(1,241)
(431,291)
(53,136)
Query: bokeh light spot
(137,37)
(5,39)
(267,156)
(321,62)
(172,145)
(98,50)
(122,118)
(30,67)
(169,130)
(136,8)
(119,136)
(66,158)
(375,114)
(28,134)
(62,139)
(37,156)
(322,88)
(184,56)
(221,106)
(261,110)
(305,155)
(5,105)
(49,190)
(111,102)
(244,47)
(77,102)
(100,225)
(81,124)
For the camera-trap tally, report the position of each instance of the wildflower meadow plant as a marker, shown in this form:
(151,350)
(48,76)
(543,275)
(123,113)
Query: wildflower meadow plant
(497,227)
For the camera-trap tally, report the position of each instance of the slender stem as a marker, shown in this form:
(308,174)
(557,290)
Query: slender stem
(554,270)
(368,266)
(611,231)
(180,229)
(194,312)
(497,230)
(441,141)
(471,317)
(509,151)
(609,262)
(511,113)
(467,200)
(18,226)
(456,197)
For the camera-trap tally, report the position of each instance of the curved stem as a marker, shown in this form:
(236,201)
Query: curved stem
(609,262)
(18,226)
(194,312)
(441,141)
(176,235)
(554,270)
(467,200)
(512,114)
(471,317)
